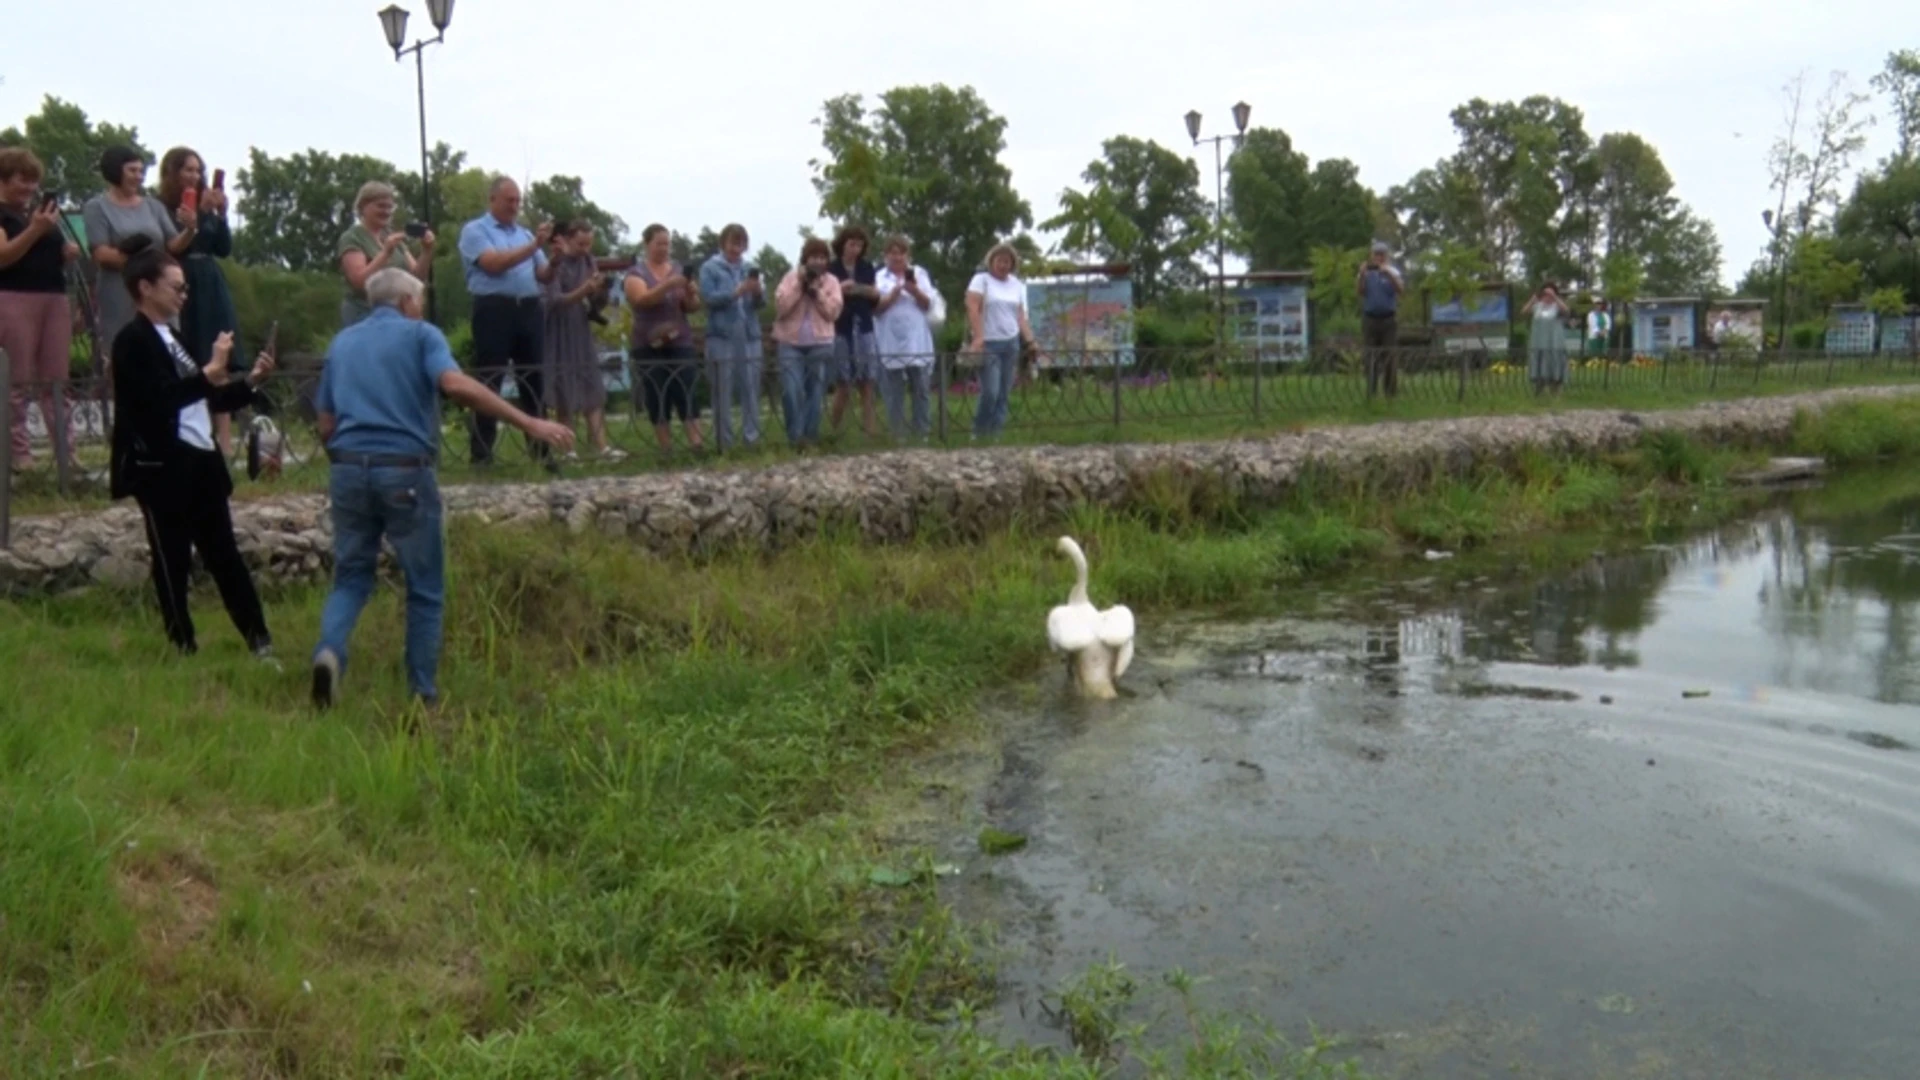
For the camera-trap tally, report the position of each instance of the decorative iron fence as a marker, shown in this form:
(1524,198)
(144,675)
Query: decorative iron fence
(1113,394)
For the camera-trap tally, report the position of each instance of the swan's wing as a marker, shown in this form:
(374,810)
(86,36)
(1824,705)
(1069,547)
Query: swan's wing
(1116,632)
(1072,627)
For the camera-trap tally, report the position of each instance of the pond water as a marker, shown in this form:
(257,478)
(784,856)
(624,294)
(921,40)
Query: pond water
(1657,816)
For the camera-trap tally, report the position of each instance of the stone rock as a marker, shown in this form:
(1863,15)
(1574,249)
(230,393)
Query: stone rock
(892,497)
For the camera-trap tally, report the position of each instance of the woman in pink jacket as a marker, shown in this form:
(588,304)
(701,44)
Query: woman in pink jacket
(804,309)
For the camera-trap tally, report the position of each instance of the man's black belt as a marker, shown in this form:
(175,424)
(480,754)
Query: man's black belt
(496,298)
(380,461)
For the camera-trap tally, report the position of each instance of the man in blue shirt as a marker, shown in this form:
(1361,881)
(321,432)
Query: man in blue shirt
(1380,287)
(506,265)
(379,406)
(734,296)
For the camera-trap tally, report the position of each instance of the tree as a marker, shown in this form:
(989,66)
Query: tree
(1438,206)
(1879,226)
(563,198)
(69,146)
(1684,259)
(1819,277)
(1899,80)
(1267,182)
(773,265)
(1817,147)
(1339,211)
(926,163)
(1524,162)
(294,209)
(1144,208)
(1336,303)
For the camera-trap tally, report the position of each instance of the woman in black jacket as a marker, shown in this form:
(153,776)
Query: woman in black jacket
(163,448)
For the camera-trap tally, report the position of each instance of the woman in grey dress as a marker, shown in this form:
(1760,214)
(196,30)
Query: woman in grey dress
(123,211)
(572,360)
(1546,340)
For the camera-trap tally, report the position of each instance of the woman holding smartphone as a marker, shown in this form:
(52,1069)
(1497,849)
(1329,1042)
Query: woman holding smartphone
(35,323)
(163,450)
(119,214)
(571,360)
(373,244)
(208,312)
(662,295)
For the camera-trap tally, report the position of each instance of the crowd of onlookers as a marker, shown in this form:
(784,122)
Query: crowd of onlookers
(849,324)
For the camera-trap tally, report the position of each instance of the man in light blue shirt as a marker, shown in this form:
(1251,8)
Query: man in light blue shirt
(379,406)
(734,295)
(506,265)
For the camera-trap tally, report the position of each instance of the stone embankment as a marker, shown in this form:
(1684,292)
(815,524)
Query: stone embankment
(887,497)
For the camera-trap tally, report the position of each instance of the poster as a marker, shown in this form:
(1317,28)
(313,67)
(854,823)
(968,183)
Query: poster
(1850,332)
(1898,335)
(1486,327)
(1082,323)
(1272,320)
(1736,324)
(1663,326)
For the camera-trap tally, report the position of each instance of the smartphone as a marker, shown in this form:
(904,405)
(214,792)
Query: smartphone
(50,199)
(220,179)
(753,272)
(417,229)
(190,199)
(273,337)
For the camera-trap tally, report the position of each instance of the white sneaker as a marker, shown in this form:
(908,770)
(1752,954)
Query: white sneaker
(613,453)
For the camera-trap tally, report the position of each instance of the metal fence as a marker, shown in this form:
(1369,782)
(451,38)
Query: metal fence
(1136,393)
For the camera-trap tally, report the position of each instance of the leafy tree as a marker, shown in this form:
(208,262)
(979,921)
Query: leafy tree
(1459,272)
(1144,208)
(1339,211)
(1817,147)
(293,209)
(1899,80)
(1523,161)
(69,145)
(1438,206)
(563,198)
(925,162)
(1684,260)
(1336,304)
(773,264)
(1879,226)
(1819,278)
(1267,182)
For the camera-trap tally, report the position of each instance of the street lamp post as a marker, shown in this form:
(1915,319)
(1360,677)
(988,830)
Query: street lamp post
(1240,114)
(1778,226)
(393,22)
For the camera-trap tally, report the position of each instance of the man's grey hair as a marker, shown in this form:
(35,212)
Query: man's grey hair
(386,288)
(498,183)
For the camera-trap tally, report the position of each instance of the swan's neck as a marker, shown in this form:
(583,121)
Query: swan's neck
(1079,593)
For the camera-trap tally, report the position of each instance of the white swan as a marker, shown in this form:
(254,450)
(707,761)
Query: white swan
(1098,644)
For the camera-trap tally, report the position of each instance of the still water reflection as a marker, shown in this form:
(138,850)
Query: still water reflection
(1658,816)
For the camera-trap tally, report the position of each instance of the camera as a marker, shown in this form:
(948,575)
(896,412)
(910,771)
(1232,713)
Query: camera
(417,229)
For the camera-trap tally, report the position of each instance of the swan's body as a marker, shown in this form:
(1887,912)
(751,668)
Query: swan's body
(1098,644)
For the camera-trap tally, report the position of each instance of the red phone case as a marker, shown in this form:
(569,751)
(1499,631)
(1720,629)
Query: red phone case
(190,199)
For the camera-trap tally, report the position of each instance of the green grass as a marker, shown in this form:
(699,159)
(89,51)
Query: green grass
(637,839)
(1082,411)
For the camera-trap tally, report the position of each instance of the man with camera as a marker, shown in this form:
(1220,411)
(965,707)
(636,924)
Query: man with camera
(1380,288)
(506,266)
(806,307)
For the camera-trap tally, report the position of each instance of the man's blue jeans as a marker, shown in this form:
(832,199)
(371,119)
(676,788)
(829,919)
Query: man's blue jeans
(402,505)
(803,388)
(734,375)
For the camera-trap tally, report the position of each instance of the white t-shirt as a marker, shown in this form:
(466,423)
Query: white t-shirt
(901,333)
(1004,300)
(196,422)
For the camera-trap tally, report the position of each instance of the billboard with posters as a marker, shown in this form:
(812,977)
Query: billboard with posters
(1082,323)
(1662,326)
(1736,324)
(1487,326)
(1850,331)
(1272,319)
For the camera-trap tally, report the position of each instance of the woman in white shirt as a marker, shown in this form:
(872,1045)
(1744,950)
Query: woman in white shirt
(903,323)
(997,317)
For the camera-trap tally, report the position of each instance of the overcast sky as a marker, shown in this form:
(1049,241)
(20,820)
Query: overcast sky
(700,113)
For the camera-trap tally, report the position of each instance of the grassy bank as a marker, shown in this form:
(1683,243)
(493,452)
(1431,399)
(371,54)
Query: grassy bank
(636,840)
